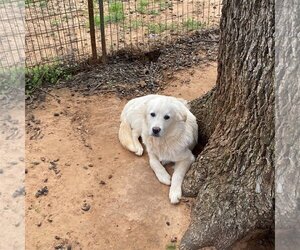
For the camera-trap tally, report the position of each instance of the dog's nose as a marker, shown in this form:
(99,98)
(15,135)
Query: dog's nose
(156,130)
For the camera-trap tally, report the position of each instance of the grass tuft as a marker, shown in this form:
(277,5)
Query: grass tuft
(45,74)
(171,246)
(143,6)
(192,24)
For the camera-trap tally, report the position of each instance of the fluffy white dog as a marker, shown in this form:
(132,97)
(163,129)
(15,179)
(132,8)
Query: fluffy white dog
(168,130)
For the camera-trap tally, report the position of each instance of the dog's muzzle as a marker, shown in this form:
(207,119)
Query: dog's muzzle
(155,131)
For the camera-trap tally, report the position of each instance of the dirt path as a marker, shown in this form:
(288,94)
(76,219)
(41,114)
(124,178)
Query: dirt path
(127,208)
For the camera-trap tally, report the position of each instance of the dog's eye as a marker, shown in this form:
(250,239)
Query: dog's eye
(152,114)
(166,117)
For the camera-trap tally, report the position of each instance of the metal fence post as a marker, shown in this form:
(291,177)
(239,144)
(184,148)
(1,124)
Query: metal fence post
(102,30)
(92,30)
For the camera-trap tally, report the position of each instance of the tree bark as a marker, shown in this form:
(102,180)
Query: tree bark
(287,124)
(233,177)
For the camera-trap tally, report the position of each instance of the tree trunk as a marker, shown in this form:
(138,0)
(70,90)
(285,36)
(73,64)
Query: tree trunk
(287,124)
(233,177)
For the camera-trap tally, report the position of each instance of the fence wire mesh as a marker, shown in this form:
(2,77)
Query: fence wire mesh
(59,31)
(11,34)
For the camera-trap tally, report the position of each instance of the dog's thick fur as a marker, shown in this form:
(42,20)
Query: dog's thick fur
(168,130)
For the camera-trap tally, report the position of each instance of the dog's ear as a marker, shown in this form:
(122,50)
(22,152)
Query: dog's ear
(181,112)
(185,102)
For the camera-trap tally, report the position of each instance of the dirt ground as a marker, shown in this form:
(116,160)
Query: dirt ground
(93,194)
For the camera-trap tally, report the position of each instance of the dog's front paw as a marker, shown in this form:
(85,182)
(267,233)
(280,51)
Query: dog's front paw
(175,195)
(139,151)
(164,178)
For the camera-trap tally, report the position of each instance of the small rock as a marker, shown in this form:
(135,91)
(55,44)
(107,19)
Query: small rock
(56,114)
(110,176)
(168,223)
(85,207)
(26,170)
(19,192)
(44,191)
(43,159)
(173,239)
(57,237)
(1,171)
(39,224)
(102,182)
(91,165)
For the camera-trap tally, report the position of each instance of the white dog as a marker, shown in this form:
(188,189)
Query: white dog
(168,130)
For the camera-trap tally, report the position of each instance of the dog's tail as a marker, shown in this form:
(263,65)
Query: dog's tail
(125,136)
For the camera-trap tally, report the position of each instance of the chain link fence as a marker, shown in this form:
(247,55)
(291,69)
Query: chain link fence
(73,31)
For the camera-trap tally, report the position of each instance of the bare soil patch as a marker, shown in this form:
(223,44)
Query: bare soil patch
(99,196)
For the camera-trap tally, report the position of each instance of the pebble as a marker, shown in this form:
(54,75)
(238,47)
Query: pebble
(173,239)
(44,191)
(85,207)
(19,192)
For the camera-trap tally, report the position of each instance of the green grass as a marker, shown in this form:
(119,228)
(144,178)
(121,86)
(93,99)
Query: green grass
(55,22)
(135,24)
(11,77)
(116,13)
(157,28)
(153,12)
(171,246)
(163,5)
(142,6)
(45,74)
(192,24)
(43,3)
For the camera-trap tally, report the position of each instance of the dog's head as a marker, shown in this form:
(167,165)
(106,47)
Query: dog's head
(164,115)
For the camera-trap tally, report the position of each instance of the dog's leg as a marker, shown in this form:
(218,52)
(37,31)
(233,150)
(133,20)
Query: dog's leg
(180,169)
(160,172)
(138,147)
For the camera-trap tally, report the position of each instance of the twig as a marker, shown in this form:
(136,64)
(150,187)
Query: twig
(98,85)
(46,92)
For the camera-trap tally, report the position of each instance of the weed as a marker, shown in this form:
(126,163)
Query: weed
(116,13)
(153,12)
(163,5)
(96,20)
(45,74)
(171,246)
(192,24)
(11,77)
(135,24)
(157,28)
(43,3)
(142,6)
(55,22)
